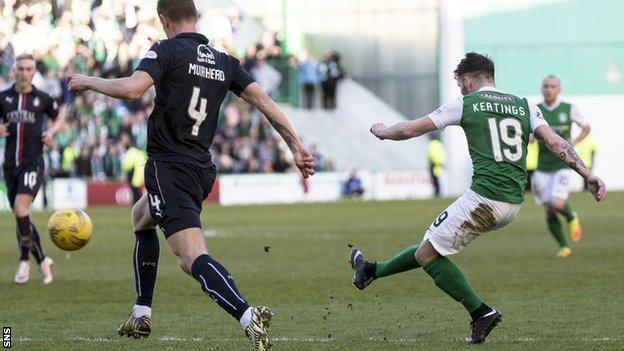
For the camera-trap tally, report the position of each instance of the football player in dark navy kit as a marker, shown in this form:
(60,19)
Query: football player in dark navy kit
(191,80)
(23,111)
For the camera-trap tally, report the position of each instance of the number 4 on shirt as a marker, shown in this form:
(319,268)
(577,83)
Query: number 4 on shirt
(198,115)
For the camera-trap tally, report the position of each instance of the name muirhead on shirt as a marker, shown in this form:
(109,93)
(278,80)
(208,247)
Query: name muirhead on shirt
(206,72)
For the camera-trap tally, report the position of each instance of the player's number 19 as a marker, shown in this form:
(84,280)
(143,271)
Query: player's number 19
(514,141)
(198,115)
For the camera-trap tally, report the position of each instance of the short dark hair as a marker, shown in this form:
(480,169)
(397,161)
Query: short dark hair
(475,64)
(24,57)
(177,10)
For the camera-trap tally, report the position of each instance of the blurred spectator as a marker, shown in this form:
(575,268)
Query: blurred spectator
(331,72)
(268,77)
(531,161)
(134,164)
(308,79)
(108,38)
(437,159)
(321,164)
(353,186)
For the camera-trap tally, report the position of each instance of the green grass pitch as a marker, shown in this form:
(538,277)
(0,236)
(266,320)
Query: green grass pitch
(548,303)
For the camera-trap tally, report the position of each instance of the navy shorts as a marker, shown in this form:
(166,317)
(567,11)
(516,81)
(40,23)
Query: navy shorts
(25,179)
(175,192)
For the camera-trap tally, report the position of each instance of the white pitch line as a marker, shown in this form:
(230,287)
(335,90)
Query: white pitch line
(172,338)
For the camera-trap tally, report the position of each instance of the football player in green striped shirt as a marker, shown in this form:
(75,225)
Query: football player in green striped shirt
(497,126)
(551,180)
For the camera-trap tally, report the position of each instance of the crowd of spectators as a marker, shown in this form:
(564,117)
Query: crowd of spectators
(108,38)
(328,72)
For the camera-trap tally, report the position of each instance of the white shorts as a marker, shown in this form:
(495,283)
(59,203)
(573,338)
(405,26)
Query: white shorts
(465,219)
(549,185)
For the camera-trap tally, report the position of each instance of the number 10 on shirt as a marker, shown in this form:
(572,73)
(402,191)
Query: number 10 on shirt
(198,115)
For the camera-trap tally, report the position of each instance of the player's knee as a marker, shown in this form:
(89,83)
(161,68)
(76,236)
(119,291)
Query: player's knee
(553,207)
(21,210)
(425,253)
(141,218)
(422,257)
(186,263)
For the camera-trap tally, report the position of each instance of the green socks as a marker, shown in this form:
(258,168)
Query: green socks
(401,262)
(448,277)
(554,225)
(567,211)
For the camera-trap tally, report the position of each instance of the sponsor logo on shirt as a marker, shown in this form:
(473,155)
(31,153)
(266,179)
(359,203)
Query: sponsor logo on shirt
(204,54)
(494,97)
(21,116)
(151,55)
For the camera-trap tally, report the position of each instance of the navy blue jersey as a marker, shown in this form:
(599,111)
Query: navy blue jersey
(25,113)
(191,80)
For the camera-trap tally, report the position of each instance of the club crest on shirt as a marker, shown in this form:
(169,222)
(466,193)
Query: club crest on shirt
(9,99)
(151,55)
(36,102)
(563,117)
(204,54)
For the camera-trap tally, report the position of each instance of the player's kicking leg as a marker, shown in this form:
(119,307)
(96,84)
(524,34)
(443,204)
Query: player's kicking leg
(455,228)
(364,272)
(450,279)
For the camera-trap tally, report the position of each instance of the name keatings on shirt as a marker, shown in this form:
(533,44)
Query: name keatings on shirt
(499,108)
(206,72)
(20,116)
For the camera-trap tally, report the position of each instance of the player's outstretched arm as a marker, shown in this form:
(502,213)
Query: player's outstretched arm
(254,95)
(404,130)
(127,88)
(558,146)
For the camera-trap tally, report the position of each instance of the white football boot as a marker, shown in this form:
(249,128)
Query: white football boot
(23,272)
(46,270)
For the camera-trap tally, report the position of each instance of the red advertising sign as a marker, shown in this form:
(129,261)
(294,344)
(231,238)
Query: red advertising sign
(109,193)
(120,194)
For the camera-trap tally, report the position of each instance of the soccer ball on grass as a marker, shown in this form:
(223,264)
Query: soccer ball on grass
(70,229)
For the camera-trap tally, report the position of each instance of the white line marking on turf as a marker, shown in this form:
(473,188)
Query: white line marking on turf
(173,338)
(210,233)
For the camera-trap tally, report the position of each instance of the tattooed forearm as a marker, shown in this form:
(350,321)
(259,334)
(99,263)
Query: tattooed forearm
(571,158)
(286,134)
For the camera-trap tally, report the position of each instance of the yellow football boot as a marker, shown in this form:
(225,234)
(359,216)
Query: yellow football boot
(574,228)
(564,252)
